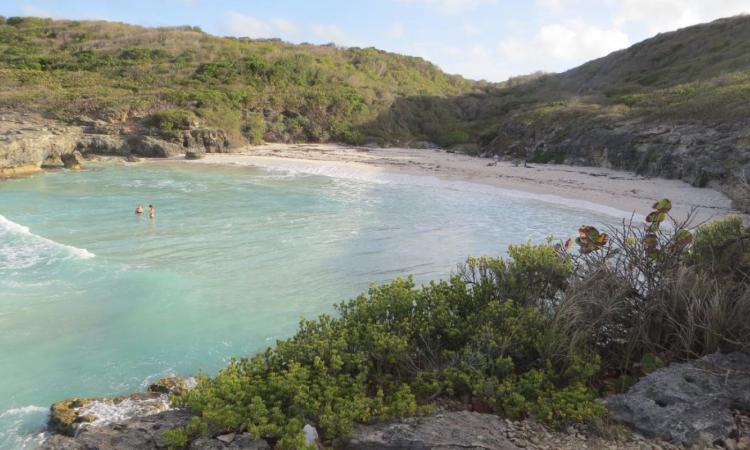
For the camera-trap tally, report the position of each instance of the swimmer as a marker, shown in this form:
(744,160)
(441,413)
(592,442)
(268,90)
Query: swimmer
(151,211)
(139,209)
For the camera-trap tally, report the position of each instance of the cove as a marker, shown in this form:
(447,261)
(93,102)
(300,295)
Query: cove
(95,300)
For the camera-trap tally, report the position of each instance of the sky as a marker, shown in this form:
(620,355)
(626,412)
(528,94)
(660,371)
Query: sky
(479,39)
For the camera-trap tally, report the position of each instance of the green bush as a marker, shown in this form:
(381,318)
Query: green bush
(254,129)
(170,121)
(389,353)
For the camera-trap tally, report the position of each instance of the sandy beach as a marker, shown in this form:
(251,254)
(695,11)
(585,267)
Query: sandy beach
(618,192)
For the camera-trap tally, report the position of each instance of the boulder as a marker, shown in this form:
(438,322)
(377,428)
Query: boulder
(195,154)
(145,432)
(444,431)
(72,160)
(688,404)
(209,140)
(172,385)
(70,416)
(103,144)
(238,442)
(152,147)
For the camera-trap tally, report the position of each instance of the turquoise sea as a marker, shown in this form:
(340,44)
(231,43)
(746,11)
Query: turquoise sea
(95,300)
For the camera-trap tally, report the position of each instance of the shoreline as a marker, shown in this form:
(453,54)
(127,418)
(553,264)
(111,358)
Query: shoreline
(612,192)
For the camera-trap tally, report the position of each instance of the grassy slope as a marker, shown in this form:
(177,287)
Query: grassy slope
(285,92)
(290,92)
(699,73)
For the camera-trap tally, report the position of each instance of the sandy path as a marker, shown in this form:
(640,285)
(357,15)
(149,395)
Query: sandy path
(621,193)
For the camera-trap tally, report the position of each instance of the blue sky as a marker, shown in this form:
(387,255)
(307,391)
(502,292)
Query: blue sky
(480,39)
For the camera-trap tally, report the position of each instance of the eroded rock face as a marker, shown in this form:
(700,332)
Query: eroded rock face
(172,385)
(195,154)
(103,144)
(70,416)
(444,431)
(700,153)
(72,160)
(689,404)
(152,147)
(208,140)
(146,432)
(27,141)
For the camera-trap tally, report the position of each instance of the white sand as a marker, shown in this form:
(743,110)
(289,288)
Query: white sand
(621,193)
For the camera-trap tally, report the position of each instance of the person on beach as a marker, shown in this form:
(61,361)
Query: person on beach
(151,211)
(139,209)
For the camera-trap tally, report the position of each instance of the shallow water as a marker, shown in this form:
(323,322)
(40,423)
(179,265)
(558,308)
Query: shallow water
(97,301)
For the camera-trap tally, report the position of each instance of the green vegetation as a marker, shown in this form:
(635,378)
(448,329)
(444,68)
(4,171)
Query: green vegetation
(275,91)
(542,332)
(254,89)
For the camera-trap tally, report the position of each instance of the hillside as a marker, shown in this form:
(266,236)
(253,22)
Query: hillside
(254,89)
(674,106)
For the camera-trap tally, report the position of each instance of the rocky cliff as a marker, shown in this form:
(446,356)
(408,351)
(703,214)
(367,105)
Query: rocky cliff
(30,141)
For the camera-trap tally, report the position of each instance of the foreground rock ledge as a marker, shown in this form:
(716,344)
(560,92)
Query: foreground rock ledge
(700,403)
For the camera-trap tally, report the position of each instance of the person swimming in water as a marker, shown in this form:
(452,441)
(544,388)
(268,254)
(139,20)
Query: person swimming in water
(151,211)
(139,209)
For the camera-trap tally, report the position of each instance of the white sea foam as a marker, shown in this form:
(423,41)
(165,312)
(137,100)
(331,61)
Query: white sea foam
(303,168)
(24,249)
(108,411)
(24,410)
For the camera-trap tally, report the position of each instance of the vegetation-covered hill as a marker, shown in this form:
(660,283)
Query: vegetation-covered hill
(675,105)
(257,88)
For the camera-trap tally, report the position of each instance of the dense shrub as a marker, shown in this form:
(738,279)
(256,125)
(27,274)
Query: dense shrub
(391,352)
(654,290)
(170,121)
(529,334)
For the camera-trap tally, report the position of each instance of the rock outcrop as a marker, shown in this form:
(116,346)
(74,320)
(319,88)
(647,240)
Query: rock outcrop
(73,160)
(209,140)
(445,431)
(152,147)
(27,141)
(69,417)
(195,154)
(695,403)
(702,154)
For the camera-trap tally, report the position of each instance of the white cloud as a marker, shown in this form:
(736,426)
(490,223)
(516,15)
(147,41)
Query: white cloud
(31,10)
(332,33)
(397,30)
(471,29)
(560,46)
(451,7)
(666,15)
(248,26)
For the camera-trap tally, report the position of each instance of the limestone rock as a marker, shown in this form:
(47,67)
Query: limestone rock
(689,404)
(138,433)
(444,431)
(152,147)
(26,141)
(210,140)
(195,154)
(64,417)
(240,442)
(172,385)
(72,160)
(103,144)
(70,416)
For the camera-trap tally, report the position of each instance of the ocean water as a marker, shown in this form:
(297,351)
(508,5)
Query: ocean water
(95,300)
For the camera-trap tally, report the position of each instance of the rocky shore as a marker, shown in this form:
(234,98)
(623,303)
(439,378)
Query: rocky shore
(703,404)
(30,142)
